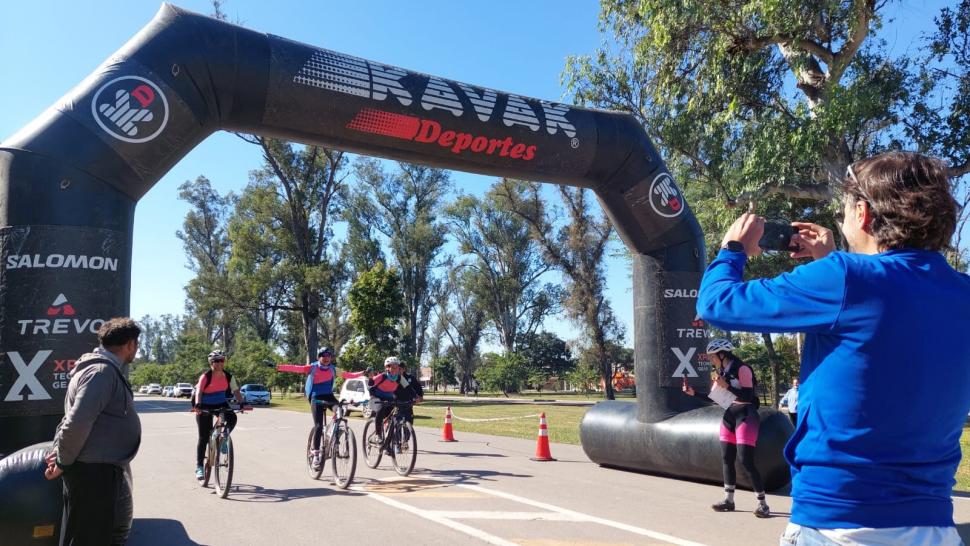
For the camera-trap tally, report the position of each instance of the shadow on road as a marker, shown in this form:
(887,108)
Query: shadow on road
(148,532)
(161,405)
(964,530)
(469,476)
(460,454)
(254,493)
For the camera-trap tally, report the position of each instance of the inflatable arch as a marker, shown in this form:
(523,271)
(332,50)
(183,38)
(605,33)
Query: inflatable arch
(70,180)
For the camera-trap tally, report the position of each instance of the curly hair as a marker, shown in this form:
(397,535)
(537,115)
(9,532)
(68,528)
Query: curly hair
(118,331)
(909,196)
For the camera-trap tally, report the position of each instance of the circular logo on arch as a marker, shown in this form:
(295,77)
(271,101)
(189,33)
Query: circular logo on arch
(131,108)
(665,198)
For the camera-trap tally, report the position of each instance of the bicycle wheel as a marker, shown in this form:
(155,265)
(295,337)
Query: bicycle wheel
(314,472)
(405,449)
(372,445)
(222,469)
(209,461)
(343,448)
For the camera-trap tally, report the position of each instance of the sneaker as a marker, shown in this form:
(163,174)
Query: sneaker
(199,473)
(762,511)
(723,506)
(316,459)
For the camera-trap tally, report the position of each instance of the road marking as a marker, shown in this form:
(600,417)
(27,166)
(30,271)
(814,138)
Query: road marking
(468,530)
(479,514)
(552,512)
(584,517)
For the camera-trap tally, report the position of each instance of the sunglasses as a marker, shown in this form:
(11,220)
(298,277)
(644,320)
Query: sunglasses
(219,360)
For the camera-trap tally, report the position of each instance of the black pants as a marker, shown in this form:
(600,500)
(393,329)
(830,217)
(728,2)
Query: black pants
(793,415)
(319,411)
(381,411)
(205,429)
(729,453)
(97,505)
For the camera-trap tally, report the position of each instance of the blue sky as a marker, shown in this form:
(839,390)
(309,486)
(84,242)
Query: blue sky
(48,46)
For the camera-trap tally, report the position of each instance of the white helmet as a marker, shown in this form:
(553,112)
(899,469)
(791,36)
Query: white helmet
(392,360)
(719,344)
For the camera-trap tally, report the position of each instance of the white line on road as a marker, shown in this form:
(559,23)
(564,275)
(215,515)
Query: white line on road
(579,516)
(470,531)
(525,516)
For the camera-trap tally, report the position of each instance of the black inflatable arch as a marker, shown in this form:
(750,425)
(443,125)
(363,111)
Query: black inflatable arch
(70,180)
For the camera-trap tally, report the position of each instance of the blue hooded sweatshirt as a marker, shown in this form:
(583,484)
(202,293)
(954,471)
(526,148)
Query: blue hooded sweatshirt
(885,379)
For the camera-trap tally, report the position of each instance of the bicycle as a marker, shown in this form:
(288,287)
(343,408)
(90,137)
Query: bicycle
(220,455)
(399,441)
(337,444)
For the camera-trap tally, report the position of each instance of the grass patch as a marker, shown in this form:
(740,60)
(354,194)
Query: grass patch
(963,471)
(563,421)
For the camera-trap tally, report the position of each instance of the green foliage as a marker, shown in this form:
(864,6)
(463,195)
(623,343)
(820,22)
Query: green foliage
(585,376)
(443,371)
(768,102)
(506,265)
(753,352)
(376,306)
(545,356)
(504,373)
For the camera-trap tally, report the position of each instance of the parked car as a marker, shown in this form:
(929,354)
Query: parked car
(254,393)
(154,388)
(183,390)
(167,390)
(143,389)
(355,390)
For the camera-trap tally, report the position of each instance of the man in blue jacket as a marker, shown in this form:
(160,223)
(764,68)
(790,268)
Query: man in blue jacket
(886,363)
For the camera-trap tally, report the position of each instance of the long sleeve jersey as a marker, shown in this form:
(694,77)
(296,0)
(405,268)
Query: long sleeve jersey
(884,379)
(321,377)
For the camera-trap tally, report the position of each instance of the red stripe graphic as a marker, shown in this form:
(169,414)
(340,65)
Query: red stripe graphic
(383,123)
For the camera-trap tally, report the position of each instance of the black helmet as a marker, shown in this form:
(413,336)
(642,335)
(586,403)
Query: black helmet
(216,356)
(324,351)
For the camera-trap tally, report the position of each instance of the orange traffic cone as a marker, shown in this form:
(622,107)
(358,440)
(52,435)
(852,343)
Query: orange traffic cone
(447,435)
(542,442)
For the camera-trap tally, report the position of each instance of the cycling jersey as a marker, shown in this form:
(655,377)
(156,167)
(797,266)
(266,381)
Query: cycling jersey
(218,390)
(383,387)
(319,378)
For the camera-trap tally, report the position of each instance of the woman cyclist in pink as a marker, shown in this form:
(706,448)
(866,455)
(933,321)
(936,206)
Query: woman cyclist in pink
(740,424)
(319,390)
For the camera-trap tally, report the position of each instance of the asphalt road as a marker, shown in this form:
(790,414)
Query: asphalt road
(481,489)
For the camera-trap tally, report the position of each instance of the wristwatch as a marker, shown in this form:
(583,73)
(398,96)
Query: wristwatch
(734,246)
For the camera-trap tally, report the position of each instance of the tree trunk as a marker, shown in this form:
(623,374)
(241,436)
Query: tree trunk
(773,361)
(310,312)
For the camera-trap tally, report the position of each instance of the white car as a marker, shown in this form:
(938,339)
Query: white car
(355,390)
(183,389)
(167,391)
(254,393)
(154,388)
(143,389)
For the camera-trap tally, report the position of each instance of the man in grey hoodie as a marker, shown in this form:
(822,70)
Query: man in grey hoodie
(97,438)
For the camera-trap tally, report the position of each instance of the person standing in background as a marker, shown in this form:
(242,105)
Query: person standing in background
(790,401)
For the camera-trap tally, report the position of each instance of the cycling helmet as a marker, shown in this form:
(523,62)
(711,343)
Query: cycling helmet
(324,351)
(216,355)
(392,360)
(719,344)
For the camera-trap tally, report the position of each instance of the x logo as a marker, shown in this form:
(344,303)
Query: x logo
(684,362)
(28,377)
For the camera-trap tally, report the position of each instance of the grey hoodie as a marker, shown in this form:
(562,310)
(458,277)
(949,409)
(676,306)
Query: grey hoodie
(100,424)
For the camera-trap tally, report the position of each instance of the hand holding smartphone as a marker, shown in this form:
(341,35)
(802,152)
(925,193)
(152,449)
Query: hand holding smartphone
(778,237)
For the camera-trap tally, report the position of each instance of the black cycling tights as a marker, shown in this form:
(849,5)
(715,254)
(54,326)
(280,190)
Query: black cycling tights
(729,453)
(205,429)
(319,411)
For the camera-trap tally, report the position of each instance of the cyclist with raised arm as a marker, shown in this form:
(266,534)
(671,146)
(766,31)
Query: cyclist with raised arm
(740,424)
(212,392)
(319,390)
(386,387)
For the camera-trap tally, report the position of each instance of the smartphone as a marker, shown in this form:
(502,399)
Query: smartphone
(778,236)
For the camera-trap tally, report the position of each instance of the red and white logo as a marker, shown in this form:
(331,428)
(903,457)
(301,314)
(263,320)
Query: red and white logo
(60,307)
(665,199)
(379,122)
(131,108)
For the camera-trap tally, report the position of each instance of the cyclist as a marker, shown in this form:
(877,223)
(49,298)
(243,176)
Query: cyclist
(740,424)
(412,393)
(319,390)
(386,387)
(213,391)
